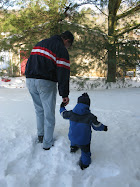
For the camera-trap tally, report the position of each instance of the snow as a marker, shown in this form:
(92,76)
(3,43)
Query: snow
(115,153)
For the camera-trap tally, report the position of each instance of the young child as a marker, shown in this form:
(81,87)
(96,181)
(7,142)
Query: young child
(81,120)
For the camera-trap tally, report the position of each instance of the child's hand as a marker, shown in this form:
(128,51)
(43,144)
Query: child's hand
(62,104)
(105,128)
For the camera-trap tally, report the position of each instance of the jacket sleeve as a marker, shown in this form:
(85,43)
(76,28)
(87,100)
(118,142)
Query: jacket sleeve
(63,71)
(64,113)
(96,125)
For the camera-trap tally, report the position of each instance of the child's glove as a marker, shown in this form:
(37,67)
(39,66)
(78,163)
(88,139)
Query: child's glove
(62,104)
(105,128)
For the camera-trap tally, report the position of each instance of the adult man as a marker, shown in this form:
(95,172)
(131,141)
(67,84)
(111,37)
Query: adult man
(48,64)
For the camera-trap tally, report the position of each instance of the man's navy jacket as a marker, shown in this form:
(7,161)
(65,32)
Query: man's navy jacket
(49,60)
(81,120)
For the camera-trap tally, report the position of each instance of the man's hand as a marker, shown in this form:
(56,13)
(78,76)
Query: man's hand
(65,100)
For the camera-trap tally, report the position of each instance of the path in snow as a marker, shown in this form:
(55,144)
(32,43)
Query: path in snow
(115,154)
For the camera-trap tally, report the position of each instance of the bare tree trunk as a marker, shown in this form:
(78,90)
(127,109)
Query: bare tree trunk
(111,75)
(113,7)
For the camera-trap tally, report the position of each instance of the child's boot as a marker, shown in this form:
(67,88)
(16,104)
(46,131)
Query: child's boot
(73,149)
(82,166)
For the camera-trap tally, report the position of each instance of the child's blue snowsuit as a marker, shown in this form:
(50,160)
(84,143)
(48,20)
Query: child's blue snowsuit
(81,120)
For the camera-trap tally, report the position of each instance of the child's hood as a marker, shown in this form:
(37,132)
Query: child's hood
(81,109)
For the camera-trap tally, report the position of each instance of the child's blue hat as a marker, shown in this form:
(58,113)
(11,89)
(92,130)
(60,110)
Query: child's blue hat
(84,99)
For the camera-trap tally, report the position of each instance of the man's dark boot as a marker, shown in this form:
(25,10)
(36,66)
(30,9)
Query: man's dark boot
(40,139)
(46,149)
(73,149)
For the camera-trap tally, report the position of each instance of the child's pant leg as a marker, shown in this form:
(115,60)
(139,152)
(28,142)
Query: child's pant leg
(85,154)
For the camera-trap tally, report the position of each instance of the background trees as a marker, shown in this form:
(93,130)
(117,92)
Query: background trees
(122,18)
(105,42)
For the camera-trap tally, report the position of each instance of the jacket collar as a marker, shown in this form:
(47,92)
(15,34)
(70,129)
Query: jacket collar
(81,109)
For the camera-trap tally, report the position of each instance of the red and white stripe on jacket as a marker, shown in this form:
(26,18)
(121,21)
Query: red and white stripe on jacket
(42,51)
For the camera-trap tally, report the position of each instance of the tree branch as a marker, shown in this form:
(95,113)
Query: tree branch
(91,3)
(128,30)
(101,10)
(128,12)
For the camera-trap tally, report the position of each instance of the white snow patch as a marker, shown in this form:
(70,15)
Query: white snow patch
(115,154)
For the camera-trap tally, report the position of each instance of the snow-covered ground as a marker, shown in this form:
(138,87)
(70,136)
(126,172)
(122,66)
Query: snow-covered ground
(115,153)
